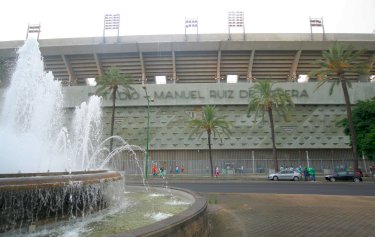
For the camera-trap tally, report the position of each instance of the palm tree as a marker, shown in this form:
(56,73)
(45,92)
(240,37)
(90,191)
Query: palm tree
(111,81)
(336,62)
(211,124)
(265,99)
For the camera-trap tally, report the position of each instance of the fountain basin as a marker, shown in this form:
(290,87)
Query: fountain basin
(32,199)
(24,181)
(52,201)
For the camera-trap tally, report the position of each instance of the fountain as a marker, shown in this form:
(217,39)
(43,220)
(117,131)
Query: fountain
(53,176)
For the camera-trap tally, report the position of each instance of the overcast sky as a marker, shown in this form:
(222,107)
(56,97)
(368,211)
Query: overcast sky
(84,18)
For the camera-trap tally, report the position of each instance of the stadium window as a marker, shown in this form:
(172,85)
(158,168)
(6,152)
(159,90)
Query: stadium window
(303,78)
(90,81)
(232,78)
(160,79)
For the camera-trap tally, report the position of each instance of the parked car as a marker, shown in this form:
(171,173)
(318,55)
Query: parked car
(285,175)
(345,176)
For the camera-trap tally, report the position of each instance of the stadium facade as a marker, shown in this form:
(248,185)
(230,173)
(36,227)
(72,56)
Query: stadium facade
(196,70)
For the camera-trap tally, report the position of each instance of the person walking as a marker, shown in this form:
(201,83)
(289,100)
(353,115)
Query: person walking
(311,172)
(154,170)
(217,172)
(161,171)
(306,174)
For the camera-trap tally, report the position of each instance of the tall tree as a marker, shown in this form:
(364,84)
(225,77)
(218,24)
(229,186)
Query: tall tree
(338,61)
(265,99)
(110,83)
(212,125)
(364,125)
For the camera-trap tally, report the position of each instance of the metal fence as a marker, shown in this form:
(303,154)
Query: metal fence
(239,162)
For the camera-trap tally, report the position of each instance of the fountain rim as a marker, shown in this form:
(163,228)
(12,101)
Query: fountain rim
(27,181)
(172,225)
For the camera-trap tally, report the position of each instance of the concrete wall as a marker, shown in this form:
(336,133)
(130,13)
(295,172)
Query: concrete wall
(220,94)
(311,126)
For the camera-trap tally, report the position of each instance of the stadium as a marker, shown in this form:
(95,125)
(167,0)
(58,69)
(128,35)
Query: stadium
(184,72)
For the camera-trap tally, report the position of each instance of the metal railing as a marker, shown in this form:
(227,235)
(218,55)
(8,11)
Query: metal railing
(255,164)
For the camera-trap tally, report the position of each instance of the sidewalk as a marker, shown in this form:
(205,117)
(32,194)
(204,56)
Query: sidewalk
(265,215)
(268,215)
(192,178)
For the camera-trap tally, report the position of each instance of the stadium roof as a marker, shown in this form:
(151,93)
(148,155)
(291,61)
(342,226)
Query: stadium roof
(188,58)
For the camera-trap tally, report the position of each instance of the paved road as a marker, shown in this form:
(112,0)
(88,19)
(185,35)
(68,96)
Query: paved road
(243,206)
(350,189)
(295,208)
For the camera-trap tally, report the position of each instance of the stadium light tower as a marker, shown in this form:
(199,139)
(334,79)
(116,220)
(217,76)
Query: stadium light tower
(191,23)
(236,19)
(33,28)
(111,22)
(317,22)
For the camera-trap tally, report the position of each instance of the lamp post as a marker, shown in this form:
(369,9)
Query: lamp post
(148,129)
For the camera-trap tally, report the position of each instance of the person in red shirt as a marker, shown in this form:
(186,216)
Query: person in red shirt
(154,170)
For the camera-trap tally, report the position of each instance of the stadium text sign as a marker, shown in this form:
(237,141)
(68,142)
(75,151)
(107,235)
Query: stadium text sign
(217,94)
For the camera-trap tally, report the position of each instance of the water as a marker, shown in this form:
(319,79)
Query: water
(33,136)
(132,209)
(35,139)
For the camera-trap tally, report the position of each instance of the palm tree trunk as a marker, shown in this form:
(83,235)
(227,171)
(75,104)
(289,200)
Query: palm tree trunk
(113,117)
(350,121)
(272,126)
(210,153)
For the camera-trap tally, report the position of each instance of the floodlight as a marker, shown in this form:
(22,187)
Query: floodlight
(236,19)
(191,23)
(316,22)
(33,28)
(111,22)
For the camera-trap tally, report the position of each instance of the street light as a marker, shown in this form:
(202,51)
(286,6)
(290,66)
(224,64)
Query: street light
(149,99)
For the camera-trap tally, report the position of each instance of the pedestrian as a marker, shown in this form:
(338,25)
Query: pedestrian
(372,170)
(217,173)
(182,169)
(161,171)
(177,169)
(154,170)
(306,174)
(311,172)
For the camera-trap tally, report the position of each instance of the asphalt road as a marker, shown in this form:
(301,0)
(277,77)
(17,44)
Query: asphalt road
(281,187)
(295,208)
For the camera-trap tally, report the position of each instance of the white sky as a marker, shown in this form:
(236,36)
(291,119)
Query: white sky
(85,18)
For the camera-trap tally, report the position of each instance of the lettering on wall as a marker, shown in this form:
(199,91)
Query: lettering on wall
(199,94)
(222,94)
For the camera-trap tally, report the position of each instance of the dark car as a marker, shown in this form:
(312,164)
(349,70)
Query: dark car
(345,176)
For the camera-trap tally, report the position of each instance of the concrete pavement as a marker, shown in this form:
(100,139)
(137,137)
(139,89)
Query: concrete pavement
(290,215)
(239,214)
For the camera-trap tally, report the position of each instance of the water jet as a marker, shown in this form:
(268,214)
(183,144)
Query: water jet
(53,177)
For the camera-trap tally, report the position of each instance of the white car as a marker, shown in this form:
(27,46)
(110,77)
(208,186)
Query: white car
(285,175)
